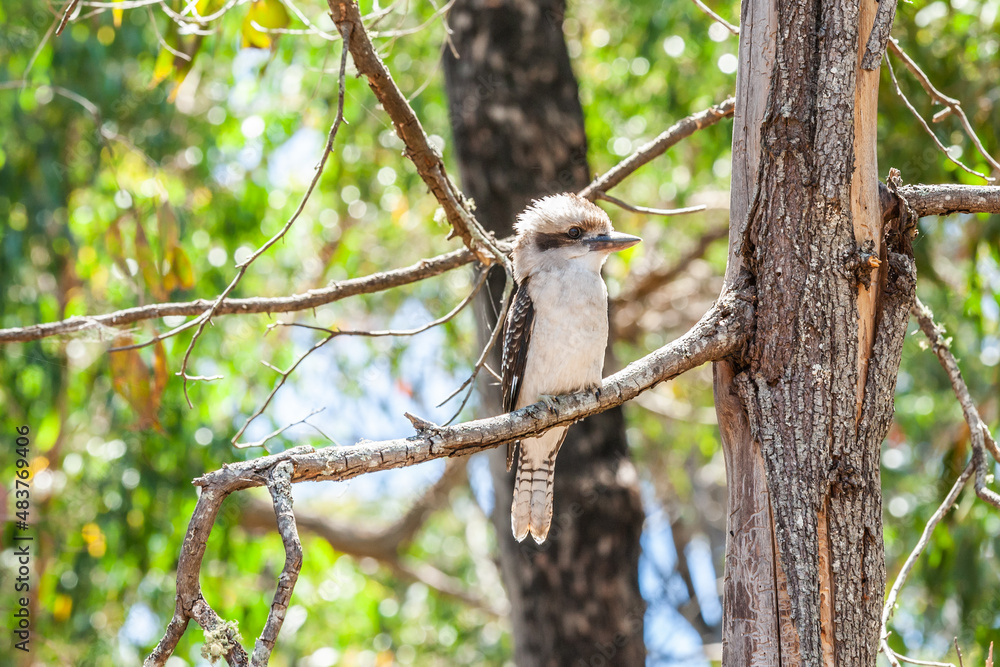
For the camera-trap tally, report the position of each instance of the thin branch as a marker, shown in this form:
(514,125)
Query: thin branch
(426,160)
(648,211)
(979,433)
(377,282)
(70,6)
(879,36)
(951,103)
(897,585)
(653,149)
(362,541)
(275,433)
(508,292)
(927,128)
(715,17)
(721,332)
(331,334)
(653,280)
(981,439)
(245,264)
(411,31)
(387,544)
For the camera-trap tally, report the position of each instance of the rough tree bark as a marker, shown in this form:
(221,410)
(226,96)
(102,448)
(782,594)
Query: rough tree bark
(519,134)
(804,412)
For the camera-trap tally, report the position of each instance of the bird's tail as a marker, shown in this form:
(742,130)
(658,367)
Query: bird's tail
(531,510)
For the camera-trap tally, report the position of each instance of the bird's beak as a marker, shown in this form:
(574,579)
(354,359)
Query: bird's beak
(611,242)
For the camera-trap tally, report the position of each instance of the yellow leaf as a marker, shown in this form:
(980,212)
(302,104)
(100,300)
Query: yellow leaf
(181,267)
(116,14)
(268,14)
(163,67)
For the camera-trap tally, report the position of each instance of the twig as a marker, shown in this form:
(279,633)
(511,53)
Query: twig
(653,149)
(275,433)
(890,601)
(418,149)
(205,317)
(715,17)
(649,282)
(331,334)
(979,433)
(649,211)
(411,31)
(927,128)
(70,7)
(879,36)
(954,105)
(720,333)
(508,292)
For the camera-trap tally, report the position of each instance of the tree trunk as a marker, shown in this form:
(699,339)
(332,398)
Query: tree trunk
(519,134)
(804,413)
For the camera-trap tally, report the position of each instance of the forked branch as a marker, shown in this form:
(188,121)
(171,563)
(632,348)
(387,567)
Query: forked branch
(720,333)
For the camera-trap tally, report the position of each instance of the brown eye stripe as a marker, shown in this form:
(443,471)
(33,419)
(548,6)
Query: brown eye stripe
(549,241)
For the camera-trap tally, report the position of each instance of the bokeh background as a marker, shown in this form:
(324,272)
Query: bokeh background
(128,177)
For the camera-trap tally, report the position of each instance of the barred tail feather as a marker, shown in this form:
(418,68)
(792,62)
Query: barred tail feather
(531,509)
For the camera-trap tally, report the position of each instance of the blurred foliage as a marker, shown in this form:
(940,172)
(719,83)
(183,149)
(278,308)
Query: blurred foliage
(139,164)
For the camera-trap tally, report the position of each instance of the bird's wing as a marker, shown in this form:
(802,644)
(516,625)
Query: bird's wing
(516,336)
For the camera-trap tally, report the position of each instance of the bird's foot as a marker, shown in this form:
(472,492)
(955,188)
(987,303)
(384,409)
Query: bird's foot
(551,402)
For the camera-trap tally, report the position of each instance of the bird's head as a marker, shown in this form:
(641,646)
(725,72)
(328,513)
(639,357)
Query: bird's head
(562,232)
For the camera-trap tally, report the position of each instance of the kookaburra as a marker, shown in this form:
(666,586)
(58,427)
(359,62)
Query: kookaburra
(555,335)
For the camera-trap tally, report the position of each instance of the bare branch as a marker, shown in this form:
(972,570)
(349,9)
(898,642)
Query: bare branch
(70,6)
(648,211)
(897,585)
(981,439)
(653,149)
(979,433)
(245,264)
(281,493)
(715,17)
(428,163)
(385,545)
(331,334)
(954,105)
(653,280)
(942,199)
(377,282)
(927,128)
(879,36)
(382,544)
(721,332)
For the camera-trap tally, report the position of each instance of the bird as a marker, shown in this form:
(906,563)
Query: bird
(555,334)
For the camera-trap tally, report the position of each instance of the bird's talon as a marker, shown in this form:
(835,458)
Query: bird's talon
(551,402)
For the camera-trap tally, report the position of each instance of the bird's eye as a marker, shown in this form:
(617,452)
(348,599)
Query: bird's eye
(574,232)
